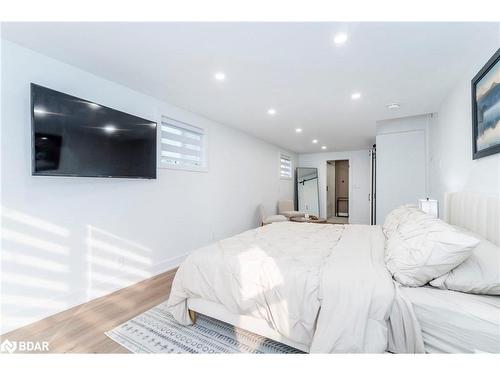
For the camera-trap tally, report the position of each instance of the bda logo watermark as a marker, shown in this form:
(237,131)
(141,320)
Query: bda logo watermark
(8,346)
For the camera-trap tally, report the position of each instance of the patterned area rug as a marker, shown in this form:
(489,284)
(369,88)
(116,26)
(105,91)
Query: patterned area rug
(156,331)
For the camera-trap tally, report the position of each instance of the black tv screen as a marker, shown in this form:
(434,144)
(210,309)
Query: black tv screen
(76,137)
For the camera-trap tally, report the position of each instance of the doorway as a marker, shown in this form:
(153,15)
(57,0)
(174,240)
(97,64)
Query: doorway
(337,191)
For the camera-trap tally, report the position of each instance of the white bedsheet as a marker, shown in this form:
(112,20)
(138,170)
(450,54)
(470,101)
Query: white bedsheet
(444,321)
(285,272)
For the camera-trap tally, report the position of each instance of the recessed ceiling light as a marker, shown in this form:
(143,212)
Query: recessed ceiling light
(315,141)
(356,96)
(323,147)
(298,130)
(220,76)
(393,106)
(271,111)
(340,38)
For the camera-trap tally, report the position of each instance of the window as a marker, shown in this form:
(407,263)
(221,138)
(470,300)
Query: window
(182,146)
(285,166)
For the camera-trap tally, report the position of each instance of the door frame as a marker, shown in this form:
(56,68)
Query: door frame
(349,188)
(329,167)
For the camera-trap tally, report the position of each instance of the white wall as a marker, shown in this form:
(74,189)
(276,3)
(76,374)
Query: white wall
(67,240)
(402,166)
(451,164)
(359,181)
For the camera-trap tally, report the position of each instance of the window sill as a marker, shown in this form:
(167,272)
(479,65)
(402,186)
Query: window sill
(183,168)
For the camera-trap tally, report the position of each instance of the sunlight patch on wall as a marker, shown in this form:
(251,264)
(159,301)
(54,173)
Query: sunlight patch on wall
(110,236)
(35,269)
(116,250)
(34,222)
(113,262)
(25,239)
(33,282)
(34,262)
(109,264)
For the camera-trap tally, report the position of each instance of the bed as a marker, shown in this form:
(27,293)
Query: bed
(455,322)
(432,320)
(286,280)
(326,288)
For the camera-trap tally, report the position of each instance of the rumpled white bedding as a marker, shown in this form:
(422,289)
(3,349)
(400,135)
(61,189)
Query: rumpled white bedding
(432,320)
(323,286)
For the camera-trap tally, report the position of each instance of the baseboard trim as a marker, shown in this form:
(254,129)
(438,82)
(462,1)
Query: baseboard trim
(168,264)
(75,298)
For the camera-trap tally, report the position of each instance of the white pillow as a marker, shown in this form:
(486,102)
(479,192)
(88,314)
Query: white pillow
(480,274)
(396,217)
(424,248)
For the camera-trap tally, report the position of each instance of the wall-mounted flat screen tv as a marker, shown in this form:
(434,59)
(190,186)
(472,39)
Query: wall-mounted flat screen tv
(76,137)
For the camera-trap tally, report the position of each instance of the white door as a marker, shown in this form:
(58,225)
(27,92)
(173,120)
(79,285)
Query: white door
(401,174)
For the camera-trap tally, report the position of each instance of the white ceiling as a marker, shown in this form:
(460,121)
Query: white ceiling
(293,67)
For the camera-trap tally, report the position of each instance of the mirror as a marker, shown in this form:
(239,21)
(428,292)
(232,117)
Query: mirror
(307,190)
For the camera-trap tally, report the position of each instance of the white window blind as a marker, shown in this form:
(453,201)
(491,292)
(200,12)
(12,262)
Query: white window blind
(285,166)
(182,145)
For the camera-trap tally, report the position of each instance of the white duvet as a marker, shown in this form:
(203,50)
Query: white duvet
(323,286)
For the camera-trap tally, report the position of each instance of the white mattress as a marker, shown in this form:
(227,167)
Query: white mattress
(454,322)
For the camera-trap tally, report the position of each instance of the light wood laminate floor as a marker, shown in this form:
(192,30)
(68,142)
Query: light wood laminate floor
(81,328)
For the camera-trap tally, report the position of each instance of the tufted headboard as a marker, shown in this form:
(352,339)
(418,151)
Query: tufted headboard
(476,212)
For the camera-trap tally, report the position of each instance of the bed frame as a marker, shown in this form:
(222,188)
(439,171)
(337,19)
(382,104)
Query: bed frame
(478,213)
(248,323)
